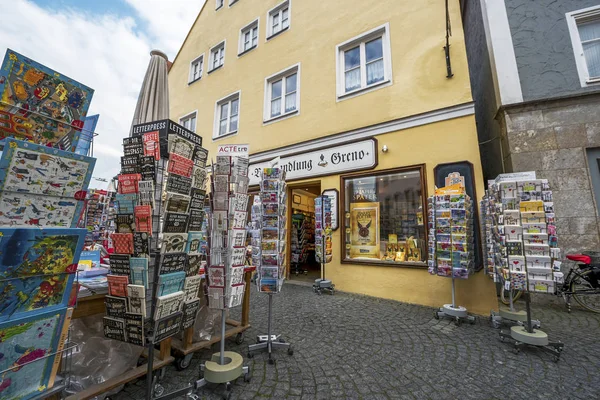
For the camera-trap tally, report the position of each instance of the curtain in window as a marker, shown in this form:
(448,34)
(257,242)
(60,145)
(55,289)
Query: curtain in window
(233,123)
(285,22)
(254,36)
(276,98)
(374,72)
(590,40)
(290,92)
(223,119)
(352,68)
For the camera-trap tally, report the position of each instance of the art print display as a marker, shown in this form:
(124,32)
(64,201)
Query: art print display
(119,264)
(28,349)
(114,328)
(147,168)
(136,291)
(136,305)
(151,145)
(179,184)
(128,183)
(175,223)
(167,326)
(115,306)
(122,242)
(173,262)
(40,105)
(125,223)
(134,326)
(364,230)
(195,220)
(141,244)
(27,210)
(194,265)
(117,285)
(170,283)
(174,242)
(192,287)
(181,147)
(180,165)
(36,268)
(143,218)
(197,199)
(168,304)
(146,194)
(31,168)
(177,203)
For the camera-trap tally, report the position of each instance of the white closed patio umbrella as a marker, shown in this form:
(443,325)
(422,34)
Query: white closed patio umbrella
(153,101)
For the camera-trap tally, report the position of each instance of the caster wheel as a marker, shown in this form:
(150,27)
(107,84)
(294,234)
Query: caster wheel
(435,315)
(517,351)
(290,351)
(160,374)
(239,338)
(271,361)
(457,322)
(247,378)
(250,355)
(556,358)
(183,362)
(228,386)
(226,396)
(472,322)
(193,397)
(281,340)
(158,390)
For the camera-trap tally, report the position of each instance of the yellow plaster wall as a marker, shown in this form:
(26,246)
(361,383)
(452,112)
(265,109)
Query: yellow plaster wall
(417,31)
(433,144)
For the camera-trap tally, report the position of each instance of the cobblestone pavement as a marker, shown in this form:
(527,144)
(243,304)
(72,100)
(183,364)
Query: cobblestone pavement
(356,347)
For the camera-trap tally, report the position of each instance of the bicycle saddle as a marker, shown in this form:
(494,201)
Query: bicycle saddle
(580,258)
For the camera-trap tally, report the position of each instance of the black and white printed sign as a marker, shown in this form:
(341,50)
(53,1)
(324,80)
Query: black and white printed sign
(173,262)
(179,184)
(175,223)
(119,264)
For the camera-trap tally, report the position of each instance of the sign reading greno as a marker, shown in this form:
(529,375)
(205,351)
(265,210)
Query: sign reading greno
(327,161)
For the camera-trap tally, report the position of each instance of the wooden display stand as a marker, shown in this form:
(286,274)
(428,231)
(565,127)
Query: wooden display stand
(93,305)
(184,350)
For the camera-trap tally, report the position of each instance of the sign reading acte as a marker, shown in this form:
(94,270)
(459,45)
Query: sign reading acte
(233,150)
(347,157)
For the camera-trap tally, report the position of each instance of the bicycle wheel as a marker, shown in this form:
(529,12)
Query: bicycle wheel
(505,297)
(584,293)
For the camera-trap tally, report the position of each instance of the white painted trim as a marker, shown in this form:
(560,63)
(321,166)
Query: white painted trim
(581,63)
(504,61)
(384,32)
(229,97)
(217,6)
(296,68)
(210,54)
(232,3)
(185,116)
(269,32)
(201,56)
(241,39)
(430,117)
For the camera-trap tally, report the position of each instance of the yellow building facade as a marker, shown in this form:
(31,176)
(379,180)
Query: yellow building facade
(354,98)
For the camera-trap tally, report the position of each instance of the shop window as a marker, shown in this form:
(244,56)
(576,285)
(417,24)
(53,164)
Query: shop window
(189,121)
(196,68)
(384,217)
(217,56)
(364,62)
(282,94)
(278,19)
(584,28)
(227,115)
(248,38)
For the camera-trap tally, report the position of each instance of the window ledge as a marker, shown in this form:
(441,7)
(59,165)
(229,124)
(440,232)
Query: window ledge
(277,34)
(280,117)
(224,136)
(195,80)
(232,3)
(366,89)
(592,81)
(381,263)
(218,8)
(214,69)
(247,51)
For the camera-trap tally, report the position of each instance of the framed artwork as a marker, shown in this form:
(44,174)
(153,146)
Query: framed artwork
(297,199)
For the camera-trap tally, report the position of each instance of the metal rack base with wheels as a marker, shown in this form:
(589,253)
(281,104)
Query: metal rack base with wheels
(525,335)
(452,311)
(323,285)
(269,341)
(511,317)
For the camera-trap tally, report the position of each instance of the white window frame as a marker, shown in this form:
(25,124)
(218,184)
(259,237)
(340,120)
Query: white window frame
(188,116)
(267,119)
(572,19)
(217,119)
(232,2)
(382,31)
(212,55)
(199,59)
(250,26)
(277,9)
(219,4)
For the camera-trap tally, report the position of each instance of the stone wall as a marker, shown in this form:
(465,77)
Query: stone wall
(551,138)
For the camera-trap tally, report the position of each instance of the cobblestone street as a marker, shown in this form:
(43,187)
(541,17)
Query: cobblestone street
(356,347)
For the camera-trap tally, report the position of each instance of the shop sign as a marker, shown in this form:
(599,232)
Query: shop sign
(163,128)
(516,176)
(329,161)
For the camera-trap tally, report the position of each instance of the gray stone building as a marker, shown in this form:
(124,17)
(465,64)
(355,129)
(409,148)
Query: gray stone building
(535,76)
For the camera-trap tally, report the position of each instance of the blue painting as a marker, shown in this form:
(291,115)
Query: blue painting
(27,352)
(37,269)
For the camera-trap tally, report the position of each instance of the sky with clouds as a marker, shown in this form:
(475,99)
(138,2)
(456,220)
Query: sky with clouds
(104,44)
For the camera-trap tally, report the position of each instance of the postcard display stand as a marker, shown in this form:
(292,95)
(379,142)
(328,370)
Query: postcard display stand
(154,276)
(269,215)
(42,189)
(451,243)
(523,252)
(323,245)
(227,255)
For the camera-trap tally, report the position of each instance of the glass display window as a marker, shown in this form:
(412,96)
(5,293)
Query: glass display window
(384,217)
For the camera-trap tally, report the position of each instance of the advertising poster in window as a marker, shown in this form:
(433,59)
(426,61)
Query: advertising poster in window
(364,230)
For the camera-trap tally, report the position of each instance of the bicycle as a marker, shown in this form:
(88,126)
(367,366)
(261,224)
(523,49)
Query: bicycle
(582,282)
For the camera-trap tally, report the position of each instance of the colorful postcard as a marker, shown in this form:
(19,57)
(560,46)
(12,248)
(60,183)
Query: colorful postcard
(28,348)
(117,285)
(31,168)
(44,262)
(27,209)
(40,105)
(170,283)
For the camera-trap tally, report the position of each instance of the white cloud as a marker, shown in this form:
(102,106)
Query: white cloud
(105,52)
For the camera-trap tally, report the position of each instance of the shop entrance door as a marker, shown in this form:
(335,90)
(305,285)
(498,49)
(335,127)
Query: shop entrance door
(301,232)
